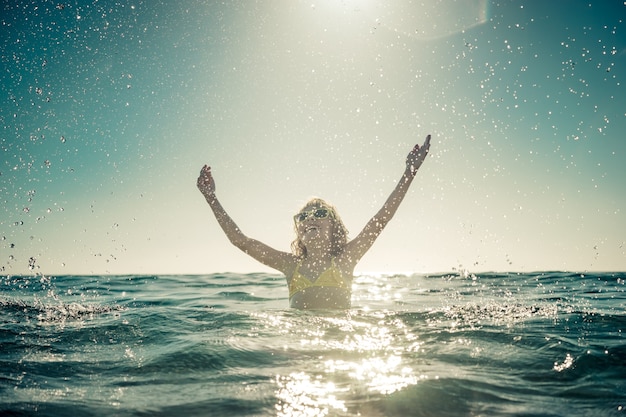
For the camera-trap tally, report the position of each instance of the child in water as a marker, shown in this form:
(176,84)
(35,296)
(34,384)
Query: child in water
(320,268)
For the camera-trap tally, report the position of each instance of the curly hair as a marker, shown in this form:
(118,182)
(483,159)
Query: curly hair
(339,232)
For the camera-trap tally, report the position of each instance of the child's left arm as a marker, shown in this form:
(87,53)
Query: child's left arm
(357,247)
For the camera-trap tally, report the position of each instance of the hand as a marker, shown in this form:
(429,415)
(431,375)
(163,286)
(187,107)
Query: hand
(206,183)
(416,157)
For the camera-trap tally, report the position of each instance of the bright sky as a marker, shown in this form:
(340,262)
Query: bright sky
(111,108)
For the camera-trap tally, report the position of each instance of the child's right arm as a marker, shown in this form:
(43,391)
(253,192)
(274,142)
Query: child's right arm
(273,258)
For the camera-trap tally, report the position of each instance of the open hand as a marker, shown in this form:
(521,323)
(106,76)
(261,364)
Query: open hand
(416,157)
(206,183)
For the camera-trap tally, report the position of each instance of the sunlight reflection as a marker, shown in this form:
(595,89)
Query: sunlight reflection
(383,375)
(358,353)
(299,394)
(378,288)
(375,338)
(303,394)
(274,322)
(423,20)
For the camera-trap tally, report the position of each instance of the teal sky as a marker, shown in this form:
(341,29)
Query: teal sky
(111,108)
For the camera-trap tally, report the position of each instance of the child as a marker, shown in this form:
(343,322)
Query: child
(320,268)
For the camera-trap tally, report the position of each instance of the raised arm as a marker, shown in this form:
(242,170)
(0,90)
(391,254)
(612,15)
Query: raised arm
(358,246)
(258,250)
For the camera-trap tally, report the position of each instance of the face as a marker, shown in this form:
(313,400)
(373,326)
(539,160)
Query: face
(314,223)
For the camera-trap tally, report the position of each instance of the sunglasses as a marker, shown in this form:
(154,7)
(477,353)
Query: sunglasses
(318,213)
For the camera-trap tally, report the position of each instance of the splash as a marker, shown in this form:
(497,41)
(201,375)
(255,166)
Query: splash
(49,312)
(37,298)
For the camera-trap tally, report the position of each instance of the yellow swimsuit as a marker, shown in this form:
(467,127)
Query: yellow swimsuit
(330,278)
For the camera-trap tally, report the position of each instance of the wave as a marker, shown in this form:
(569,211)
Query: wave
(59,311)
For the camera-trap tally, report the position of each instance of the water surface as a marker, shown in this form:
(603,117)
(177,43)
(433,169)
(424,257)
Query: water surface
(539,344)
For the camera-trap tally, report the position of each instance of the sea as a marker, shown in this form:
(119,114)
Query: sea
(454,344)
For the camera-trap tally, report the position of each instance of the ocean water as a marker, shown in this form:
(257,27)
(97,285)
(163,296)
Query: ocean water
(461,344)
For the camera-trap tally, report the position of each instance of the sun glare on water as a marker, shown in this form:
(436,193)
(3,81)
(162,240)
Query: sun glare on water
(361,355)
